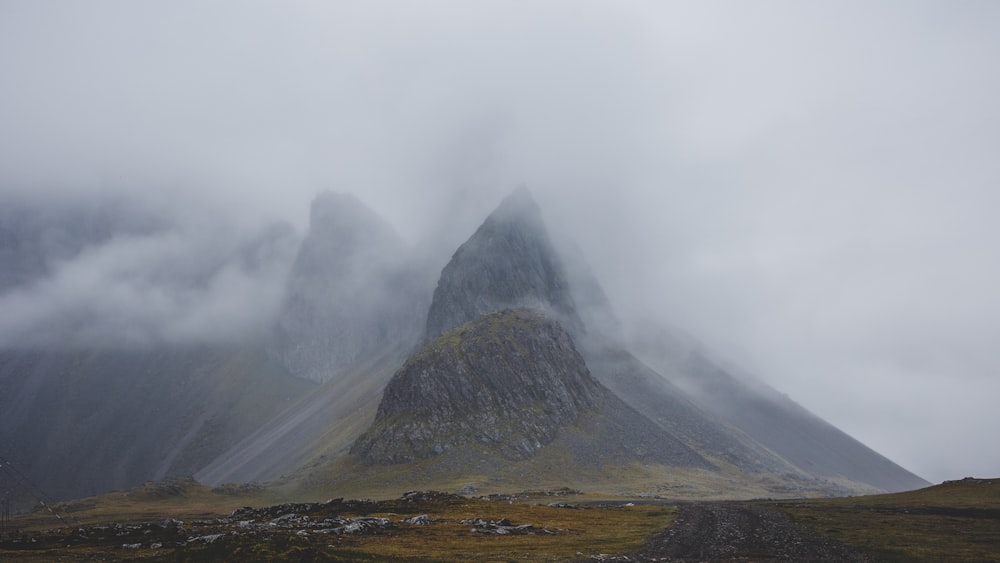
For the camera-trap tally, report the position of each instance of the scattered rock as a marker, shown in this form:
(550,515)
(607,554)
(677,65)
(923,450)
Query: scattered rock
(502,527)
(210,538)
(422,520)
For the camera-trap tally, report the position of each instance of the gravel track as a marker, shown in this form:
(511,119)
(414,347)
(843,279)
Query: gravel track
(730,531)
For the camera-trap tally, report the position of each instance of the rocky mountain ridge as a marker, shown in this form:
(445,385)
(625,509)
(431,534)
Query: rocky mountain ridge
(509,380)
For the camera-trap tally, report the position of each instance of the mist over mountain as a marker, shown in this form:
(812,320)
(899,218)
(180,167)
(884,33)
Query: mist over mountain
(353,289)
(787,430)
(508,386)
(807,188)
(130,339)
(112,271)
(356,368)
(36,237)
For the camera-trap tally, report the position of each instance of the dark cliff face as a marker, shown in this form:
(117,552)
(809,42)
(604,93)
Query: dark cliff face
(509,262)
(507,381)
(506,386)
(351,291)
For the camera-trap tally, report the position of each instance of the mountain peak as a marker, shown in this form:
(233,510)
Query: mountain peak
(350,291)
(344,216)
(509,262)
(519,205)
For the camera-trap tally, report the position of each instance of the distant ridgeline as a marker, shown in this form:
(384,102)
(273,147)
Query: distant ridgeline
(510,372)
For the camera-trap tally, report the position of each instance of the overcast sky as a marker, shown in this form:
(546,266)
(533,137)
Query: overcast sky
(810,189)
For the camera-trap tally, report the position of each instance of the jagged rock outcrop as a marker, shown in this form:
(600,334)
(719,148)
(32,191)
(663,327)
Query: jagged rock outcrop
(508,383)
(351,291)
(509,262)
(508,380)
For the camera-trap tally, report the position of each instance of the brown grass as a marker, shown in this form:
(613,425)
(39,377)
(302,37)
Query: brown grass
(588,530)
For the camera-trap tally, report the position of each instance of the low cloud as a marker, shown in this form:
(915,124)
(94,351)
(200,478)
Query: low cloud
(202,281)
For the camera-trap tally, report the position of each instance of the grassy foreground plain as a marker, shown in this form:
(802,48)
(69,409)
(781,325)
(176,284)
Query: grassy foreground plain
(953,521)
(559,533)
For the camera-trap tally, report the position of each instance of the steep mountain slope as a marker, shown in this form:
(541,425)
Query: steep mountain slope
(666,404)
(351,291)
(84,422)
(505,385)
(354,309)
(509,262)
(770,418)
(320,425)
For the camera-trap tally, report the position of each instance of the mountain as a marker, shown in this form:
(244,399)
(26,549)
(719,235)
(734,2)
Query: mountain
(90,401)
(351,291)
(509,262)
(507,384)
(354,309)
(512,372)
(457,394)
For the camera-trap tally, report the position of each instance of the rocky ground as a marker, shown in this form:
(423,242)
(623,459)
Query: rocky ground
(702,531)
(326,531)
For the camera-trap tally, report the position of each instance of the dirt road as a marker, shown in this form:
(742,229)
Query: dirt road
(730,531)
